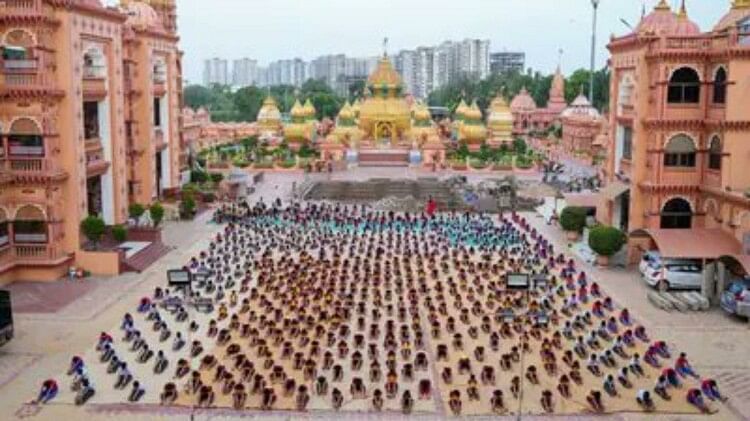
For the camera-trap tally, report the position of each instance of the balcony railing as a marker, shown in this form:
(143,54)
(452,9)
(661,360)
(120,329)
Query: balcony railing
(20,6)
(27,165)
(20,65)
(159,77)
(94,72)
(34,238)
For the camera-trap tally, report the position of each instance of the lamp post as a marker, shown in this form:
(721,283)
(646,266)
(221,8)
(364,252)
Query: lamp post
(595,5)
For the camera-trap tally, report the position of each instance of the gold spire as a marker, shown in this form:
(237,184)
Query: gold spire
(683,10)
(741,4)
(663,5)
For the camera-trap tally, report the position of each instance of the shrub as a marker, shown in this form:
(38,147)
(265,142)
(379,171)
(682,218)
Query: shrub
(197,176)
(120,233)
(573,218)
(136,210)
(306,151)
(287,163)
(606,240)
(519,146)
(478,163)
(93,228)
(187,208)
(217,177)
(157,213)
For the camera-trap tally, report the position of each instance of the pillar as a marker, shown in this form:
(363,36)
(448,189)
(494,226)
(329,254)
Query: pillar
(721,280)
(708,286)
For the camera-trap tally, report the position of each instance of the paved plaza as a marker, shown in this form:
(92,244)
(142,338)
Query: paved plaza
(54,322)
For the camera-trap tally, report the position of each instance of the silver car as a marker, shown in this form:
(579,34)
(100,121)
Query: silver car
(674,274)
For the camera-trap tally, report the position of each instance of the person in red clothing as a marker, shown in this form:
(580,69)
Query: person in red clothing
(431,206)
(48,391)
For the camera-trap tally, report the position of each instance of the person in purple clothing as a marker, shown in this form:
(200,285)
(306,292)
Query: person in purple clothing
(48,391)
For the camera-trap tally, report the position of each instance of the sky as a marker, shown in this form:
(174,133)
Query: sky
(268,30)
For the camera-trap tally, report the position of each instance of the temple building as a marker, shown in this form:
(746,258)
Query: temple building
(499,123)
(381,130)
(269,119)
(302,128)
(89,123)
(581,124)
(529,118)
(471,129)
(679,123)
(200,133)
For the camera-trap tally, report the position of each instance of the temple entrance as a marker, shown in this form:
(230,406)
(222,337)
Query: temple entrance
(384,134)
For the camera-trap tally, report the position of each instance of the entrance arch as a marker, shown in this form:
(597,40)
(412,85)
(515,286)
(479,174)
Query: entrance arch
(677,214)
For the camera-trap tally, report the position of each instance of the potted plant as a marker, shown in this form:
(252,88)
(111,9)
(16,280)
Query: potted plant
(120,233)
(572,220)
(157,213)
(136,211)
(605,241)
(93,228)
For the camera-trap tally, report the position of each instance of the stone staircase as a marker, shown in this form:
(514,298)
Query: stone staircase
(145,258)
(383,159)
(379,188)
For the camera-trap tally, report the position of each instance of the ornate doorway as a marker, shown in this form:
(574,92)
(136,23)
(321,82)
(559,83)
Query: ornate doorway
(384,133)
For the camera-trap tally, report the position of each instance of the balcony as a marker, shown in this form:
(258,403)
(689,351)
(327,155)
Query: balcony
(675,176)
(94,82)
(30,254)
(22,78)
(15,9)
(32,169)
(95,162)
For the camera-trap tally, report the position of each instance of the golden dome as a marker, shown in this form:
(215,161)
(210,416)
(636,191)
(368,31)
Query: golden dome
(297,132)
(355,107)
(269,116)
(473,133)
(499,112)
(346,114)
(309,109)
(297,111)
(473,113)
(422,113)
(384,78)
(461,109)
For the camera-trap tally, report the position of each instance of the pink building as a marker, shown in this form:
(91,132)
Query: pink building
(527,117)
(680,123)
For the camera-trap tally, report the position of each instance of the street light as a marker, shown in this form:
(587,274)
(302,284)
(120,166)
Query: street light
(595,5)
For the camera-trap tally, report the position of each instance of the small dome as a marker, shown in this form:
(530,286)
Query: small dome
(422,113)
(740,10)
(385,77)
(461,109)
(523,102)
(499,112)
(269,111)
(309,109)
(473,113)
(663,21)
(142,16)
(346,113)
(582,108)
(297,111)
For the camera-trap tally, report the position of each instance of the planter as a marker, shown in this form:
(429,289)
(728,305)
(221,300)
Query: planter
(602,261)
(572,235)
(459,167)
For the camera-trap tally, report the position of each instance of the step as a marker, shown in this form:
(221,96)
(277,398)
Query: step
(383,164)
(146,257)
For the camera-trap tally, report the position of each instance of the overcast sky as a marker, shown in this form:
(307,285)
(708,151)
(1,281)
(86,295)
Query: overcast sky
(268,30)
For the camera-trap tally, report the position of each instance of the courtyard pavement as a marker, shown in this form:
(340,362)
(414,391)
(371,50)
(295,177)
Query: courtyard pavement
(58,321)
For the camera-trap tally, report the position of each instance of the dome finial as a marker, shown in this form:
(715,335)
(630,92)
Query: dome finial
(663,5)
(741,4)
(683,10)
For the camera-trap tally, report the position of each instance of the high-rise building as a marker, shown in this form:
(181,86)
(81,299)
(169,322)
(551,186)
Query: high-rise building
(244,72)
(405,65)
(473,58)
(507,61)
(216,71)
(90,113)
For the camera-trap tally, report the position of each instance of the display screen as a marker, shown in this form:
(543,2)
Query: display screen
(178,277)
(517,281)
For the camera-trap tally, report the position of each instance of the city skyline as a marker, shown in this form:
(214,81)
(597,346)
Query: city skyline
(329,28)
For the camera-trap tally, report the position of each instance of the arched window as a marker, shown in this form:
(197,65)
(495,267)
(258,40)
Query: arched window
(93,64)
(17,46)
(676,214)
(714,154)
(684,87)
(30,225)
(680,152)
(25,138)
(720,86)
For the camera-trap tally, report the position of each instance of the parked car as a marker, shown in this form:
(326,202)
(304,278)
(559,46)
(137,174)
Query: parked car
(736,298)
(650,260)
(675,274)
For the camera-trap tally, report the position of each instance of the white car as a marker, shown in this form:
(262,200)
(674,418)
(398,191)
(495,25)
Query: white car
(650,260)
(674,274)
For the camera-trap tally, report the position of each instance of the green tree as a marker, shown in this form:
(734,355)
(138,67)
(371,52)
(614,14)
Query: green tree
(157,213)
(196,96)
(247,102)
(93,228)
(606,240)
(573,218)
